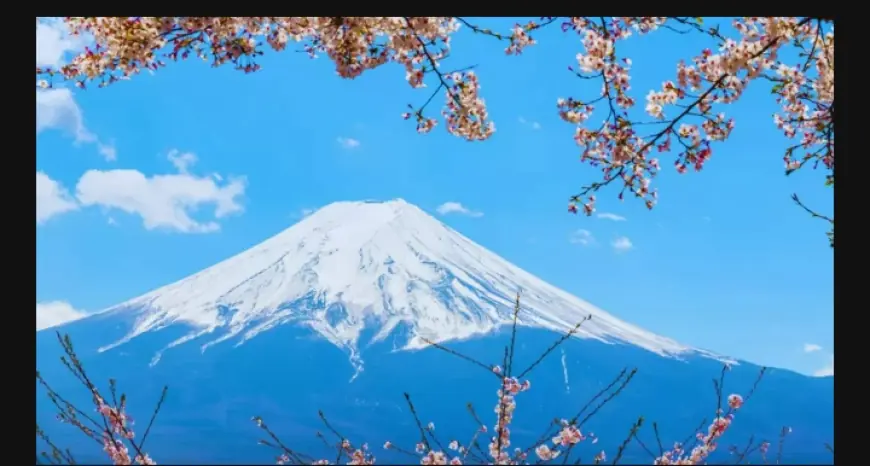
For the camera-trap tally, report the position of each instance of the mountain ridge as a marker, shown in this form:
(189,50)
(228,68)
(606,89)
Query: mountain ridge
(354,266)
(270,332)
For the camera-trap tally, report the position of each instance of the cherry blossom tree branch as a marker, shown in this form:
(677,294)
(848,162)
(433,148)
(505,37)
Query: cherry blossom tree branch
(125,46)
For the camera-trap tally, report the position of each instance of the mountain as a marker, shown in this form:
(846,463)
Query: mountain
(332,314)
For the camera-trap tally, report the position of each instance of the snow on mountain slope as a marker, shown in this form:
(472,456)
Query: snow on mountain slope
(352,266)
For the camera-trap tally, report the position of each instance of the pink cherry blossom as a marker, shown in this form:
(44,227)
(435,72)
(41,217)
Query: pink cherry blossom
(686,110)
(735,401)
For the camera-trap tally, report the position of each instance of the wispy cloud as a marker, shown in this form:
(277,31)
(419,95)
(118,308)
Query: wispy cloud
(348,143)
(108,151)
(181,161)
(54,42)
(53,313)
(56,108)
(163,201)
(609,216)
(302,213)
(533,124)
(457,208)
(51,198)
(622,244)
(826,370)
(811,347)
(583,237)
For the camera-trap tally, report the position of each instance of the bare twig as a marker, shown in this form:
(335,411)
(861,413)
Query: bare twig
(607,400)
(554,346)
(278,443)
(417,420)
(154,416)
(659,439)
(813,213)
(461,356)
(747,450)
(341,438)
(632,434)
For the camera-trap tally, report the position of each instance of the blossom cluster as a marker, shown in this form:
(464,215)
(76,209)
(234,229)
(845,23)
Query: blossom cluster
(706,442)
(569,436)
(119,427)
(117,430)
(715,77)
(125,46)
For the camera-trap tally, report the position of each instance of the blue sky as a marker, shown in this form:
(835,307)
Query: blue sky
(150,180)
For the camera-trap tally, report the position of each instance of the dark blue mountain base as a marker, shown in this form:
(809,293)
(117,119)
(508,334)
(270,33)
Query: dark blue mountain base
(287,374)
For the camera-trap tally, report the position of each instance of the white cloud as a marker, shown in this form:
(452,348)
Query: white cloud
(163,201)
(457,208)
(53,42)
(583,237)
(108,151)
(54,313)
(827,370)
(609,216)
(348,143)
(811,347)
(51,198)
(622,244)
(56,109)
(182,161)
(536,125)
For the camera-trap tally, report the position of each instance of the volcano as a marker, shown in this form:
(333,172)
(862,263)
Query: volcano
(334,314)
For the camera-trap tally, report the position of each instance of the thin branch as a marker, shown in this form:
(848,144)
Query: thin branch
(516,313)
(632,434)
(746,450)
(552,347)
(658,439)
(607,400)
(154,416)
(643,445)
(814,214)
(419,424)
(460,355)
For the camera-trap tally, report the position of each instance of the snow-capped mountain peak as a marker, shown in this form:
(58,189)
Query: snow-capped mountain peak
(352,266)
